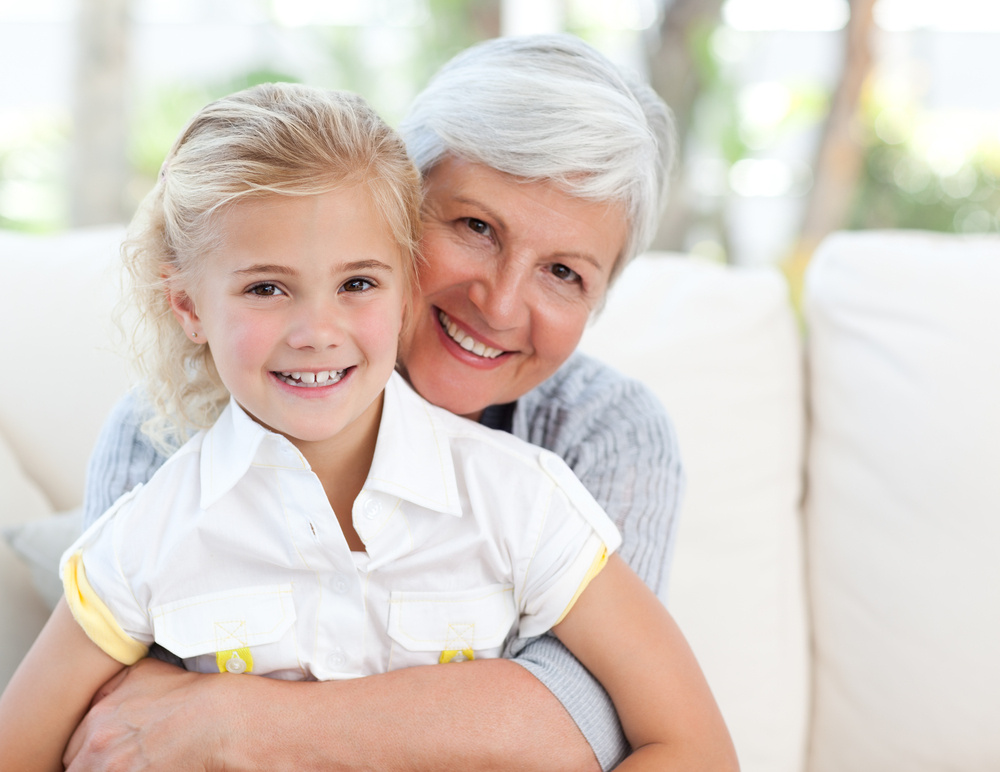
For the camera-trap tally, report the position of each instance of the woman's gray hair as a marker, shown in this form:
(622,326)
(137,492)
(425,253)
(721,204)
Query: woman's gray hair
(551,108)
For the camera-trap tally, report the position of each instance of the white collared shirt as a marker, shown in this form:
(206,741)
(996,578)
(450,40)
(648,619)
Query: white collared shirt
(232,549)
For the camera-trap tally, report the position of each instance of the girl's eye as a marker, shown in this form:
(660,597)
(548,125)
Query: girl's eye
(265,290)
(565,273)
(478,226)
(357,285)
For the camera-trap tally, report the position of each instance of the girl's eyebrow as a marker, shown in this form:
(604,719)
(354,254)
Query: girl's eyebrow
(284,270)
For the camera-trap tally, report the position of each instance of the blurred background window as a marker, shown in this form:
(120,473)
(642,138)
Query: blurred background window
(795,117)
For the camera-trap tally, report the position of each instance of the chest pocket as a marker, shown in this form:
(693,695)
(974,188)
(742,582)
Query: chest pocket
(234,631)
(429,627)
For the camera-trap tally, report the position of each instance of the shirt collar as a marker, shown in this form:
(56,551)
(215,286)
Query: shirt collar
(412,454)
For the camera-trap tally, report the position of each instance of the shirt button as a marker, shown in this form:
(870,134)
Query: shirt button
(336,658)
(340,584)
(235,664)
(372,508)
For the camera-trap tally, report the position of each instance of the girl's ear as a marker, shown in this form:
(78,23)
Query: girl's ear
(183,307)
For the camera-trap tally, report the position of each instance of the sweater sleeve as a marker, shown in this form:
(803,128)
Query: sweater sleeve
(123,457)
(616,437)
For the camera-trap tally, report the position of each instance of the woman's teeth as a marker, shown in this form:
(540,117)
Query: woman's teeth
(322,378)
(466,341)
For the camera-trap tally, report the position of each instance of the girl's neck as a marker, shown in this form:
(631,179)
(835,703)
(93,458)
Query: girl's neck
(342,464)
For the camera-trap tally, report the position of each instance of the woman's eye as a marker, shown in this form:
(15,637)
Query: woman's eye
(265,290)
(478,226)
(357,285)
(565,273)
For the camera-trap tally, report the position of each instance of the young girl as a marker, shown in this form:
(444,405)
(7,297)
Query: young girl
(330,523)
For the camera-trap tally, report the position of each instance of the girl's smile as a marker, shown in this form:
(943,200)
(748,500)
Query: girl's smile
(312,380)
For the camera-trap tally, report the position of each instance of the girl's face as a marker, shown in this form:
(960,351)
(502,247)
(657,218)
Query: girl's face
(512,272)
(301,306)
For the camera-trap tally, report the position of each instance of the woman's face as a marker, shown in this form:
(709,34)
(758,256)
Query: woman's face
(513,270)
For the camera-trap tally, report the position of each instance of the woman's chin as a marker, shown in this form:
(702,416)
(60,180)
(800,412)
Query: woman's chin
(455,395)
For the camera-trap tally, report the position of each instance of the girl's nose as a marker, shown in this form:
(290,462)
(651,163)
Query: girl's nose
(316,326)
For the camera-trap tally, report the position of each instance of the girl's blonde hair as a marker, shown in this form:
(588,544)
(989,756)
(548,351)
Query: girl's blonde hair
(273,139)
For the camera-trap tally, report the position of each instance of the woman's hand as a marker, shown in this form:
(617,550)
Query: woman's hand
(142,720)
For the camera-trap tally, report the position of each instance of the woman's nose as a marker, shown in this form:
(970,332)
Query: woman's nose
(502,297)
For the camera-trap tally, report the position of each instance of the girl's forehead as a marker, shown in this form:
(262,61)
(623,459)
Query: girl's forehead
(286,233)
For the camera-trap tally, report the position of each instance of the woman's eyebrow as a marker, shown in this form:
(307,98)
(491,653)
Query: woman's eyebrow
(476,203)
(487,211)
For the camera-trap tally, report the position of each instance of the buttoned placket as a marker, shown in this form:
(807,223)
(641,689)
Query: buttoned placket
(332,628)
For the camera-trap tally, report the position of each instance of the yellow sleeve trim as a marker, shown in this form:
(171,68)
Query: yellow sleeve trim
(95,618)
(594,570)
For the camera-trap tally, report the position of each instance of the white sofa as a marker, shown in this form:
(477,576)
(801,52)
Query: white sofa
(838,563)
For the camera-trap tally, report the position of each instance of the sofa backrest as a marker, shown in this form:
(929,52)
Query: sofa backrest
(721,348)
(903,509)
(62,376)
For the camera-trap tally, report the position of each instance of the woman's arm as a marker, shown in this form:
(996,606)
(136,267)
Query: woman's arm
(486,714)
(626,638)
(49,694)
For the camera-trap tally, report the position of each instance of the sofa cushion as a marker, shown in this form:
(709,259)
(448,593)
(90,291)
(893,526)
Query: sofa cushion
(903,509)
(58,339)
(720,347)
(40,544)
(22,612)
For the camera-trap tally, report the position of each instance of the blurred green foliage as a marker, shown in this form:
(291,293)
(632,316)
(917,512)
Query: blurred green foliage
(158,119)
(900,188)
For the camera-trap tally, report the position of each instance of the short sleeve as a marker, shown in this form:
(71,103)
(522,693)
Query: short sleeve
(99,595)
(570,548)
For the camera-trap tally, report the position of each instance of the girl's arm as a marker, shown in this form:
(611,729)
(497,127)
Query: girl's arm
(622,633)
(49,694)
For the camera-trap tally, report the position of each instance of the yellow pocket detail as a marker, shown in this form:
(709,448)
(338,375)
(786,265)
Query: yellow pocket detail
(225,622)
(449,655)
(235,661)
(450,626)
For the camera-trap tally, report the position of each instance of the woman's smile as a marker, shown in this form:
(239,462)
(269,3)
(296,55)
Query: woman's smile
(467,341)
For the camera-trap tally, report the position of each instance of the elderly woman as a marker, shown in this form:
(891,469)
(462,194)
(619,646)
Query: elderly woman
(544,170)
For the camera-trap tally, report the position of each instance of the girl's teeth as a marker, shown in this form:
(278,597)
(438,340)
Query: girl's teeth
(467,341)
(307,379)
